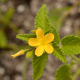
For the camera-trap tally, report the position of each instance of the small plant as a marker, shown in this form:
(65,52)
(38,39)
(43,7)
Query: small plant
(44,40)
(5,22)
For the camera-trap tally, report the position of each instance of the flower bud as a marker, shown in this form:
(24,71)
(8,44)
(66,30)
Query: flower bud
(21,52)
(29,54)
(33,31)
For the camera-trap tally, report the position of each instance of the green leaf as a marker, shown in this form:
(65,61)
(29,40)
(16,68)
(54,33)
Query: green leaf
(71,45)
(25,37)
(58,52)
(3,39)
(71,50)
(42,19)
(56,35)
(71,41)
(39,65)
(63,73)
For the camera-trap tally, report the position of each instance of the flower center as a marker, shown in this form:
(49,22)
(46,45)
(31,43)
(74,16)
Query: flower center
(42,42)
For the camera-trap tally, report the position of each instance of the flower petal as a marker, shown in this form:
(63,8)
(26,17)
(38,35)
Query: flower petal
(33,42)
(49,37)
(48,48)
(40,34)
(39,50)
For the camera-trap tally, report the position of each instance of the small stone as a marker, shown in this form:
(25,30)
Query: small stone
(4,8)
(18,77)
(26,23)
(67,29)
(74,11)
(72,1)
(6,78)
(75,67)
(34,6)
(20,18)
(2,71)
(58,5)
(20,8)
(19,67)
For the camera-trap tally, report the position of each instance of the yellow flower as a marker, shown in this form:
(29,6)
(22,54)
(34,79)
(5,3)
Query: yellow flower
(42,42)
(21,52)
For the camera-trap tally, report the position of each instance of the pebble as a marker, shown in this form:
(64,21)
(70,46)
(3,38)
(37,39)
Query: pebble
(34,6)
(18,77)
(4,8)
(19,67)
(2,71)
(20,8)
(6,78)
(58,5)
(67,29)
(20,18)
(74,11)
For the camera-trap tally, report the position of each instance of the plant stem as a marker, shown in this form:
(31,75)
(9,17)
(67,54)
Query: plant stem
(25,69)
(75,58)
(70,61)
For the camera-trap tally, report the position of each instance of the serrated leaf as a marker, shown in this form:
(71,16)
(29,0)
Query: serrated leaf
(42,19)
(25,37)
(71,41)
(71,45)
(58,52)
(39,65)
(71,50)
(63,73)
(56,35)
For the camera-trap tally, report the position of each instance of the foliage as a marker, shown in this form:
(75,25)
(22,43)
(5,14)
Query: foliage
(3,39)
(39,65)
(56,34)
(5,21)
(58,52)
(71,41)
(70,45)
(25,37)
(63,73)
(42,19)
(71,50)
